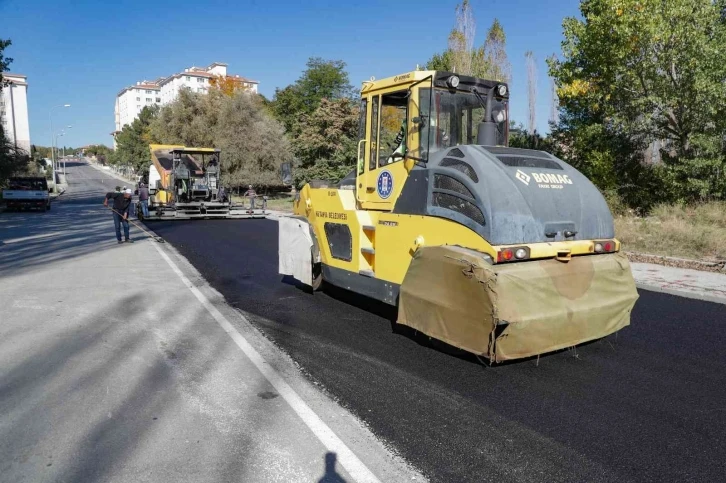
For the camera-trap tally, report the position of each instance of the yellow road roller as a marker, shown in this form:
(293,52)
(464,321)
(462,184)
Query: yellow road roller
(506,253)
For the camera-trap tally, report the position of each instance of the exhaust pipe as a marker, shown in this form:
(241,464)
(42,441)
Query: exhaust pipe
(487,132)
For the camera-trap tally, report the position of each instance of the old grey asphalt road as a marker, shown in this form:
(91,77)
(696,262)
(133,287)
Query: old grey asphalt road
(119,363)
(645,405)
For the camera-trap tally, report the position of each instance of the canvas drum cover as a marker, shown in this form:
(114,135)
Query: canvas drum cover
(295,249)
(455,295)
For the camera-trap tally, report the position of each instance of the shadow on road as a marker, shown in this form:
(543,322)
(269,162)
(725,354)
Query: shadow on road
(331,474)
(109,391)
(78,224)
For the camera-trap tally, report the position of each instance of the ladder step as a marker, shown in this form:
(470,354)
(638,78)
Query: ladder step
(369,227)
(372,251)
(367,273)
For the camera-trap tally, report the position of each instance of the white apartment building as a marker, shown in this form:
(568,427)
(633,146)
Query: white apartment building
(197,79)
(14,110)
(131,100)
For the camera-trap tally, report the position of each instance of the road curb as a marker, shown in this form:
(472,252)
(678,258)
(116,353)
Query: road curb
(701,265)
(109,173)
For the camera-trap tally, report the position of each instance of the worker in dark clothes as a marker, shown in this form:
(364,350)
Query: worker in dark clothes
(144,199)
(121,205)
(222,195)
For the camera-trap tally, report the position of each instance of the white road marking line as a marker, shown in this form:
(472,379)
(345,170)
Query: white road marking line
(34,237)
(354,466)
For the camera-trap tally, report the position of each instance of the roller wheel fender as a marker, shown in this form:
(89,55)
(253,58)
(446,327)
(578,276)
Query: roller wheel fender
(317,267)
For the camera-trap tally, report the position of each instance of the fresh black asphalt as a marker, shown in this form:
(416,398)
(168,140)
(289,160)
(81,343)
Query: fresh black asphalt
(647,404)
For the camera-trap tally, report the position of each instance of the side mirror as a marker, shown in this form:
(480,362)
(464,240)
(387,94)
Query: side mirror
(408,163)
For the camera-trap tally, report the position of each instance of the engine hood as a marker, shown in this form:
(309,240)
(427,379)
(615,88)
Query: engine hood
(509,196)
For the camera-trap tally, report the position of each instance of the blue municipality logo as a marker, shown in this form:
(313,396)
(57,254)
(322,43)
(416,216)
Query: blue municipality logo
(385,184)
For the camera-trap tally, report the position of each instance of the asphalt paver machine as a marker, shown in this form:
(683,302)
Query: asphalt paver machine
(184,183)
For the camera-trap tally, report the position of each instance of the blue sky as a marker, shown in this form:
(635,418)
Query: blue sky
(83,52)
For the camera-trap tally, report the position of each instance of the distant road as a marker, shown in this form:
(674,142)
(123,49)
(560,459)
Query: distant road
(646,405)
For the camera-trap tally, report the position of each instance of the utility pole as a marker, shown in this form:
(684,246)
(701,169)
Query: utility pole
(52,139)
(554,101)
(64,154)
(532,91)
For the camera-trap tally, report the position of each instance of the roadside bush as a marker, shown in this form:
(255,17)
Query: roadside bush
(695,231)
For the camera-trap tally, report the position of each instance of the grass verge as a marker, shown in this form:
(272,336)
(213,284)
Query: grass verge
(694,232)
(279,202)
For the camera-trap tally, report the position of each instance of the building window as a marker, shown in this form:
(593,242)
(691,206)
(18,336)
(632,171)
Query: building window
(158,99)
(148,92)
(138,99)
(148,100)
(189,79)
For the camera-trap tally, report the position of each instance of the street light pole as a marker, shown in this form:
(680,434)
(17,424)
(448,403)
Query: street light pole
(52,150)
(55,144)
(64,155)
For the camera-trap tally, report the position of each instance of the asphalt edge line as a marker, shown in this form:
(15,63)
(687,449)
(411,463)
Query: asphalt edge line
(348,460)
(681,293)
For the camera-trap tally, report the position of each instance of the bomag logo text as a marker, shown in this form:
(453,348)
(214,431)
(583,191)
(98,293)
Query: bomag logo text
(550,180)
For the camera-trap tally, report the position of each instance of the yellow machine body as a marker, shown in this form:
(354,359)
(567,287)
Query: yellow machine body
(460,278)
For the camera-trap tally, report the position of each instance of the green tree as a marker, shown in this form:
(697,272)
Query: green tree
(41,152)
(252,141)
(520,137)
(496,61)
(322,79)
(488,61)
(4,61)
(98,150)
(132,143)
(441,61)
(326,146)
(189,120)
(13,160)
(648,70)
